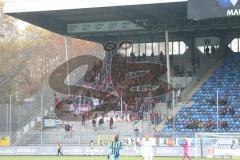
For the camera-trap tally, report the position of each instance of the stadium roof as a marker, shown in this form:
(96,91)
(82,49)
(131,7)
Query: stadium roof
(46,5)
(104,20)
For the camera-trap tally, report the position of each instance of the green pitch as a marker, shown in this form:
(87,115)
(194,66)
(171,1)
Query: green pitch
(84,158)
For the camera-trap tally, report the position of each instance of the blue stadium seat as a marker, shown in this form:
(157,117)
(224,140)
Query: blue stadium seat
(226,80)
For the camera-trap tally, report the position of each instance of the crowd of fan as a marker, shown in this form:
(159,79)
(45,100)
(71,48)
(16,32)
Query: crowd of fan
(179,69)
(223,110)
(141,108)
(141,105)
(143,57)
(209,126)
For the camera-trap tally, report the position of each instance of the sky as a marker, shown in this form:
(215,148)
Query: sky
(21,25)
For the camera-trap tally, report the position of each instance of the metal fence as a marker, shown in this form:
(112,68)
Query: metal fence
(71,138)
(14,117)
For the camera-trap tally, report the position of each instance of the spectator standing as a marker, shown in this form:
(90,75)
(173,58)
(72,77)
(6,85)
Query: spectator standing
(100,123)
(190,70)
(94,124)
(111,122)
(71,131)
(91,147)
(232,111)
(152,55)
(139,58)
(169,101)
(132,56)
(136,130)
(67,131)
(76,112)
(83,119)
(161,57)
(213,50)
(157,136)
(152,117)
(207,50)
(144,57)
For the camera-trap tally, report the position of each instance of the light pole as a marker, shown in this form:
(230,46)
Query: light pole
(167,56)
(121,103)
(10,115)
(19,111)
(217,113)
(7,131)
(67,58)
(41,117)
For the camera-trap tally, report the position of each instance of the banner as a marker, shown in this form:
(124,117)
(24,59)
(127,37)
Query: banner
(50,123)
(95,101)
(203,9)
(102,27)
(207,41)
(86,150)
(4,141)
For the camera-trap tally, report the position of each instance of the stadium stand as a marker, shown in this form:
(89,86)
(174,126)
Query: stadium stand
(145,117)
(184,35)
(201,115)
(142,118)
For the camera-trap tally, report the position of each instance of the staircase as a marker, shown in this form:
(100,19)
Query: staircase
(200,79)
